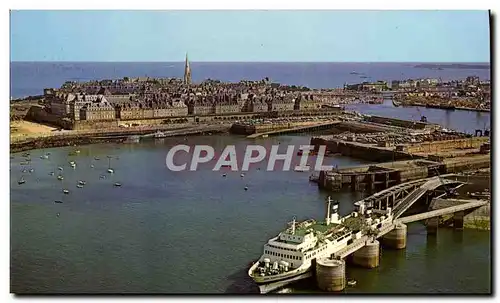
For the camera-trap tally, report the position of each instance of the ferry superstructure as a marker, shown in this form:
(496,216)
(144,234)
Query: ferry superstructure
(292,252)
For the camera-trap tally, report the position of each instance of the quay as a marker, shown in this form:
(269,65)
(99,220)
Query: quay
(401,154)
(392,206)
(308,128)
(71,138)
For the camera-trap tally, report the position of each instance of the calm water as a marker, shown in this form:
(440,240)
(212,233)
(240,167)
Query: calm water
(465,121)
(185,232)
(30,78)
(195,232)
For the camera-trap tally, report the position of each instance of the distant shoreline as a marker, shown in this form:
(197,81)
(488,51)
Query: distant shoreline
(454,66)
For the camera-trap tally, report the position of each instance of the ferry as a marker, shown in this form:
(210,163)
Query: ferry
(292,252)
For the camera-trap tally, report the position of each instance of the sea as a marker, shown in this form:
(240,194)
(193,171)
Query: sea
(165,232)
(30,78)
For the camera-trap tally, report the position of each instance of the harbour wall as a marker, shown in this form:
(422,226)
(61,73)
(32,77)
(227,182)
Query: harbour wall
(93,137)
(40,115)
(377,177)
(361,151)
(445,145)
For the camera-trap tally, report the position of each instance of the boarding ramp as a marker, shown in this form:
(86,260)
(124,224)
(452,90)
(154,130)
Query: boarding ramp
(416,194)
(443,211)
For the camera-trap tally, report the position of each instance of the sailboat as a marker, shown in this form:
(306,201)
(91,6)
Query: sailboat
(110,170)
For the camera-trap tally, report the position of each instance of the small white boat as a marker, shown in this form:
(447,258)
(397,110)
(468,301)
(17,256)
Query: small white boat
(82,182)
(224,175)
(79,185)
(65,191)
(117,184)
(60,177)
(32,170)
(242,175)
(246,188)
(352,282)
(302,169)
(51,173)
(21,181)
(92,166)
(60,168)
(265,136)
(110,170)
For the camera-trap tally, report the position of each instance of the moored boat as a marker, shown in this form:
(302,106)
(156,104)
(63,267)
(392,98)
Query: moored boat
(291,253)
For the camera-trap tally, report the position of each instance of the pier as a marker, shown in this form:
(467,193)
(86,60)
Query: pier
(394,202)
(300,129)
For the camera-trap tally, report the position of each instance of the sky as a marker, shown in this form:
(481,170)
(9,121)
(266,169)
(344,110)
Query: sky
(246,36)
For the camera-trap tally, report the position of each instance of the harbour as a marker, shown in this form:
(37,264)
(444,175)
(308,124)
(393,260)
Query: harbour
(141,200)
(258,156)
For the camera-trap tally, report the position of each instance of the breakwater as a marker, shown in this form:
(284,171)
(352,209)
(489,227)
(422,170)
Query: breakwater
(79,138)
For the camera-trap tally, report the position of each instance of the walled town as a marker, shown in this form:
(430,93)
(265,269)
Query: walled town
(142,101)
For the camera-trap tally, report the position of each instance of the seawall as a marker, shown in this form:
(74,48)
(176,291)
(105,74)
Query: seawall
(83,138)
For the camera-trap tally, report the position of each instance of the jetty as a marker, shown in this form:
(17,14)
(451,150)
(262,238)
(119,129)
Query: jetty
(394,203)
(300,129)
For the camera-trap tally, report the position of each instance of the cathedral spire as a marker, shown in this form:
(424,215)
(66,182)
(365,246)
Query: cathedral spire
(187,71)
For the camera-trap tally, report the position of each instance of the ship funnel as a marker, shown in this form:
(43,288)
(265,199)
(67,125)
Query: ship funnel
(328,208)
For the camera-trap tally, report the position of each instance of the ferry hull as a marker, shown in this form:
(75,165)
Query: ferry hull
(276,278)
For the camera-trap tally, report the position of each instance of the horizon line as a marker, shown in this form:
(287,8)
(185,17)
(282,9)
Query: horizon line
(217,61)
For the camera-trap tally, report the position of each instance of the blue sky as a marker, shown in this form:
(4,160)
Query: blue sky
(287,36)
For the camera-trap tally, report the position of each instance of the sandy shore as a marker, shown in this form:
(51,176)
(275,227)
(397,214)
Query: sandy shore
(24,129)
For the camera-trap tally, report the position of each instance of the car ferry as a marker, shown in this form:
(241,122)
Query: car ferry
(293,251)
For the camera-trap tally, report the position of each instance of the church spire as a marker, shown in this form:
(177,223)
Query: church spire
(187,71)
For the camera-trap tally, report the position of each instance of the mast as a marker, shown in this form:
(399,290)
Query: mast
(293,226)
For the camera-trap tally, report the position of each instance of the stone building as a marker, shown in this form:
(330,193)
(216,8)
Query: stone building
(308,102)
(99,110)
(200,106)
(78,103)
(178,108)
(225,104)
(257,105)
(281,104)
(60,104)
